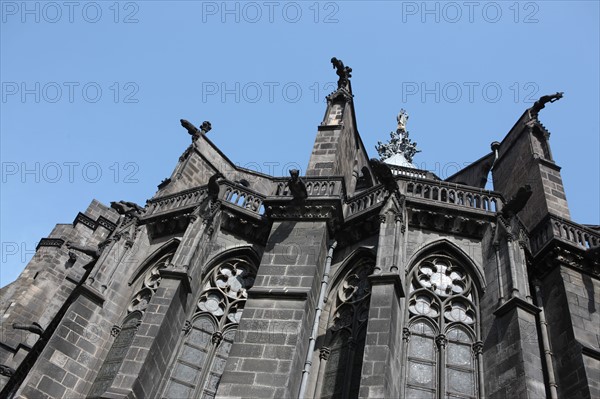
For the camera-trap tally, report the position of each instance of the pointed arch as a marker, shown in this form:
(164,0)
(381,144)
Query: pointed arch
(169,246)
(244,250)
(444,245)
(442,327)
(349,261)
(342,347)
(200,359)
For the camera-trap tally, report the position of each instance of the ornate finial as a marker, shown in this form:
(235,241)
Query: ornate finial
(344,72)
(541,103)
(399,142)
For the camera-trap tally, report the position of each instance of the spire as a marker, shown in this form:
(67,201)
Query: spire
(399,150)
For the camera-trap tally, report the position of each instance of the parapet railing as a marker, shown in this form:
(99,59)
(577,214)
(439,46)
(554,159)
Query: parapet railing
(556,227)
(411,172)
(315,187)
(365,200)
(242,197)
(181,199)
(450,193)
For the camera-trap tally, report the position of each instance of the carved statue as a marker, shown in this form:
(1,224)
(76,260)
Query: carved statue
(32,328)
(343,72)
(399,142)
(126,207)
(193,130)
(297,186)
(213,185)
(365,180)
(402,118)
(90,251)
(541,103)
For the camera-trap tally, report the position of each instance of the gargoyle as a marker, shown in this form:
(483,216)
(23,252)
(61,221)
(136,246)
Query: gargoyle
(343,72)
(90,251)
(213,186)
(517,202)
(193,130)
(383,174)
(7,371)
(541,103)
(126,207)
(32,328)
(296,185)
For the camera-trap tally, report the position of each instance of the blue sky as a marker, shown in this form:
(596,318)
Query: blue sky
(92,92)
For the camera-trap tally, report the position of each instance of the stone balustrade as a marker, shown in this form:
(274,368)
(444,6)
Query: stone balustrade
(556,227)
(243,197)
(179,200)
(315,187)
(452,194)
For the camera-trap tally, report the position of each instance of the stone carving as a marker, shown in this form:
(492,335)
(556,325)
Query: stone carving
(543,100)
(297,186)
(406,334)
(344,73)
(126,208)
(517,202)
(441,341)
(115,330)
(383,174)
(477,348)
(187,327)
(365,180)
(399,142)
(94,253)
(194,131)
(7,371)
(34,328)
(213,186)
(324,353)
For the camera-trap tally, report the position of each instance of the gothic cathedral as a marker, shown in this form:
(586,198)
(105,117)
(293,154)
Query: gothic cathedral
(360,278)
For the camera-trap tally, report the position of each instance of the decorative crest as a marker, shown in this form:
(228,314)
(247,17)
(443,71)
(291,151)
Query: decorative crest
(399,142)
(343,72)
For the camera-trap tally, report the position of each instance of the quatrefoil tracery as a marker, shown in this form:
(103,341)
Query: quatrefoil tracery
(225,291)
(442,277)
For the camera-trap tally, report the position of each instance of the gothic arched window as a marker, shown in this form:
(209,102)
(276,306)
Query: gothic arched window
(201,359)
(125,333)
(344,343)
(442,333)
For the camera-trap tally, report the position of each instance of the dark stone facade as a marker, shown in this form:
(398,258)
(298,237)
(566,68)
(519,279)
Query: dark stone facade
(356,280)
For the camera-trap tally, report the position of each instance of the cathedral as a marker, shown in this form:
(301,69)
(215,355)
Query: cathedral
(361,278)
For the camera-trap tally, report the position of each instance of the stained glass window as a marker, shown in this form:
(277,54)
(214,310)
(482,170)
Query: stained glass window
(441,331)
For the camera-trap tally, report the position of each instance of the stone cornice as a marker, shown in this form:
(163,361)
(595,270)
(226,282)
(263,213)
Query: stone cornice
(94,224)
(50,242)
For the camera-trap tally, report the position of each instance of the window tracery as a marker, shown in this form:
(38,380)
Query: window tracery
(125,333)
(343,349)
(441,337)
(201,359)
